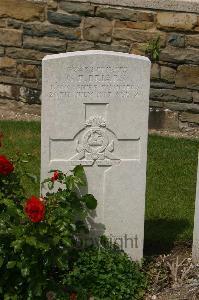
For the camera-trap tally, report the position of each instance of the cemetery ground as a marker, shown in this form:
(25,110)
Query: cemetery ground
(171,182)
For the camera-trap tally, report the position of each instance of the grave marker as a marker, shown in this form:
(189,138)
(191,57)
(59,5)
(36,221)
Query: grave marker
(95,113)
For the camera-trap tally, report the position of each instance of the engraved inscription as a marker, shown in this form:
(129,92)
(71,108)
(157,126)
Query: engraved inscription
(94,81)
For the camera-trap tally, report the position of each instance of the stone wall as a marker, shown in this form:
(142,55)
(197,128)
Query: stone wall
(31,29)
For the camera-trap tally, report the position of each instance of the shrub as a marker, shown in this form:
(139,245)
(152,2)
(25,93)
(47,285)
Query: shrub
(38,235)
(106,273)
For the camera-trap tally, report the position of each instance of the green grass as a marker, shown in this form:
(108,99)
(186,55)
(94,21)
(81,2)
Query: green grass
(171,181)
(20,138)
(171,185)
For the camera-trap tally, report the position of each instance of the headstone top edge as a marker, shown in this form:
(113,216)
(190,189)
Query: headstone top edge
(95,52)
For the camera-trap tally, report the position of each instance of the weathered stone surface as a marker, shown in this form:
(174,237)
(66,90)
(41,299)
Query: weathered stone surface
(97,29)
(155,71)
(181,106)
(64,19)
(147,16)
(11,80)
(189,117)
(176,21)
(134,25)
(88,45)
(28,71)
(195,97)
(52,31)
(22,10)
(10,37)
(2,51)
(29,96)
(32,84)
(80,46)
(168,74)
(77,8)
(3,22)
(176,40)
(5,91)
(157,104)
(9,91)
(82,93)
(7,63)
(29,62)
(138,35)
(138,48)
(52,4)
(162,85)
(188,76)
(24,53)
(15,23)
(125,14)
(116,13)
(192,40)
(44,44)
(115,46)
(180,55)
(181,95)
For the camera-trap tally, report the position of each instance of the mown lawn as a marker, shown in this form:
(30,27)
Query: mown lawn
(20,138)
(171,185)
(171,180)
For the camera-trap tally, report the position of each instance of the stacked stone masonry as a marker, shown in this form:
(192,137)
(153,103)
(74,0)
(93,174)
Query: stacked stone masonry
(31,29)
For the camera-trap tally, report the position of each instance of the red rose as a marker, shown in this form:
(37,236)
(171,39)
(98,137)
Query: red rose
(6,167)
(35,209)
(55,176)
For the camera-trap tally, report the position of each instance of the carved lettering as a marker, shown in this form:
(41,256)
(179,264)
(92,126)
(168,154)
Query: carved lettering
(94,81)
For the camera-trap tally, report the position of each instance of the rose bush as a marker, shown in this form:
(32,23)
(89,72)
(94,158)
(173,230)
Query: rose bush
(38,235)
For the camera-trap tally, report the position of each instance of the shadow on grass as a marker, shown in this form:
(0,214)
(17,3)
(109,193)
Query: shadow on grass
(161,234)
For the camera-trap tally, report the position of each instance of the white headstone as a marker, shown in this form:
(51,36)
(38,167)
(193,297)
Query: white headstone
(195,250)
(95,113)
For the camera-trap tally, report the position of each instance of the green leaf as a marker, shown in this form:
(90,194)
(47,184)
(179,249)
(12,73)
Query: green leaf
(50,185)
(11,264)
(56,240)
(1,261)
(90,201)
(73,226)
(17,245)
(78,171)
(31,240)
(32,177)
(80,174)
(25,272)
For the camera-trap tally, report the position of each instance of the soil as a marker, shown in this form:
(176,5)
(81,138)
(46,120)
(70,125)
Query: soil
(173,276)
(13,110)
